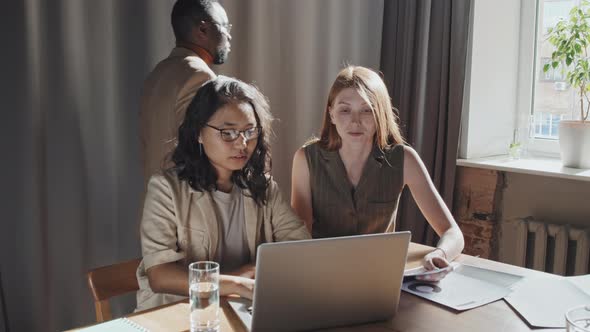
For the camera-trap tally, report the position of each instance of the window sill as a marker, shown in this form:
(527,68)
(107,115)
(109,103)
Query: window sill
(531,165)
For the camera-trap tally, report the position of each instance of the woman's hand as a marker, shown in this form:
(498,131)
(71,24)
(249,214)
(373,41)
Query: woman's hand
(241,286)
(436,260)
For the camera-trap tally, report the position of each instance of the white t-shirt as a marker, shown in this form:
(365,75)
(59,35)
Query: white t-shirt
(232,249)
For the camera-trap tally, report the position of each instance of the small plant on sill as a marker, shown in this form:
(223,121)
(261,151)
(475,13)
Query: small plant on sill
(515,148)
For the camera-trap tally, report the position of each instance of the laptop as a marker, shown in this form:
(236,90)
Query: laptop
(312,284)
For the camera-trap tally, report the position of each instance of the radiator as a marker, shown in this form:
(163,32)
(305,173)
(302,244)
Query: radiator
(559,249)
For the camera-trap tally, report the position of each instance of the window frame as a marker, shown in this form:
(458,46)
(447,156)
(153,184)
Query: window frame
(500,81)
(535,146)
(528,71)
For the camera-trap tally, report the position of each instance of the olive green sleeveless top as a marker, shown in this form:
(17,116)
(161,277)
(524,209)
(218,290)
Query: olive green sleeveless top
(339,209)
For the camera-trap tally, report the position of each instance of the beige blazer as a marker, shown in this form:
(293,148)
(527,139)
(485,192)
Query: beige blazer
(166,94)
(179,224)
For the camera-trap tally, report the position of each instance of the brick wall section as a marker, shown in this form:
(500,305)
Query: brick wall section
(478,195)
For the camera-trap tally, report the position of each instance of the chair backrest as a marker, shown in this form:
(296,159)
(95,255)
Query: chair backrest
(109,281)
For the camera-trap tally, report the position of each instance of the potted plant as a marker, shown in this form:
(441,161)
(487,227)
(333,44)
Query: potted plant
(571,38)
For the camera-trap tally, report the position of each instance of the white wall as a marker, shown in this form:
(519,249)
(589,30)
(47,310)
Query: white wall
(489,110)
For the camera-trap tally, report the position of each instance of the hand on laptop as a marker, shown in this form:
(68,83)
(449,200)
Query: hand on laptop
(241,286)
(435,260)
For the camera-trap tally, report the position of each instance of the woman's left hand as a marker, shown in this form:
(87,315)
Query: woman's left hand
(433,261)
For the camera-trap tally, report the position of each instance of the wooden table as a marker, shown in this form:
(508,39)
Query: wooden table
(414,313)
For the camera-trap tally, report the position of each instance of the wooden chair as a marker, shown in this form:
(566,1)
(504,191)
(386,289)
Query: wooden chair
(109,281)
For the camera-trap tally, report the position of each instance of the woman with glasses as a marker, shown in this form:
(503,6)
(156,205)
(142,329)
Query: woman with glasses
(218,202)
(349,180)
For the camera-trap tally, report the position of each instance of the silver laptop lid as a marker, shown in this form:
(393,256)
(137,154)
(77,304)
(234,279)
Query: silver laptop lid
(311,284)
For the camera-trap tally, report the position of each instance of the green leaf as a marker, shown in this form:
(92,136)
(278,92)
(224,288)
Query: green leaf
(570,38)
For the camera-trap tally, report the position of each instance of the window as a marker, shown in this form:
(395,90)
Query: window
(546,125)
(553,99)
(509,99)
(554,10)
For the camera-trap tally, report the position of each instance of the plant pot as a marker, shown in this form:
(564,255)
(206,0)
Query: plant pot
(574,143)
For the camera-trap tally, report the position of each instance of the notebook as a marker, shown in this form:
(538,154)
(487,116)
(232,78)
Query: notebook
(116,325)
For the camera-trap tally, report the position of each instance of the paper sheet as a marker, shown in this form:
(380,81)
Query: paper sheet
(582,282)
(543,301)
(465,288)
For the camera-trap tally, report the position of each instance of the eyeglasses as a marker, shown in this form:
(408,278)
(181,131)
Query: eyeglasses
(226,26)
(230,135)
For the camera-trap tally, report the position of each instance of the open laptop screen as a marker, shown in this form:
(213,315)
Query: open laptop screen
(311,284)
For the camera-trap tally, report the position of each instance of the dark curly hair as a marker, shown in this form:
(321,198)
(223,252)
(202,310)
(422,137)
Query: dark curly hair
(194,167)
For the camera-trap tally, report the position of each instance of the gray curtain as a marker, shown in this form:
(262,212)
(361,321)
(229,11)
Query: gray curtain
(423,54)
(71,75)
(293,50)
(3,316)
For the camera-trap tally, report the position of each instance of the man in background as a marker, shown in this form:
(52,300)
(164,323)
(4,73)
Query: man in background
(202,32)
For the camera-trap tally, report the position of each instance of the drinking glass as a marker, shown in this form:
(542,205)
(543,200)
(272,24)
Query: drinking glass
(203,278)
(578,319)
